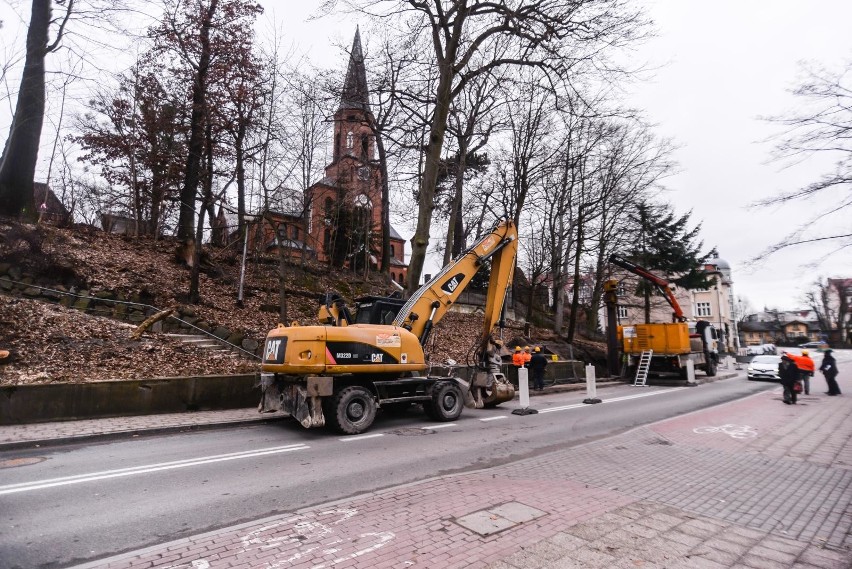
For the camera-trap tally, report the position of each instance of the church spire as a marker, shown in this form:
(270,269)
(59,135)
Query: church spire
(355,94)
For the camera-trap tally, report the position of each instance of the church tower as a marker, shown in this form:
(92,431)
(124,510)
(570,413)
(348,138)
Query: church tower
(346,205)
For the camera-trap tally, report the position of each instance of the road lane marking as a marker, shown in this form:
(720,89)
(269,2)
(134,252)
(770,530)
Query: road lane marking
(494,418)
(614,400)
(441,426)
(360,437)
(144,469)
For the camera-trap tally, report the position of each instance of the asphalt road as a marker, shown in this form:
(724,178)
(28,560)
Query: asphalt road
(70,504)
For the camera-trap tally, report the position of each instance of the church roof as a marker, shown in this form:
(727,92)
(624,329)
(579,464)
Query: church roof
(355,94)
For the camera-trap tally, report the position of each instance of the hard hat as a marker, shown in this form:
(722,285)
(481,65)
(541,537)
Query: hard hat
(517,348)
(537,349)
(804,352)
(526,348)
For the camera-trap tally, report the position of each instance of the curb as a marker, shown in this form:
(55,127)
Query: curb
(130,433)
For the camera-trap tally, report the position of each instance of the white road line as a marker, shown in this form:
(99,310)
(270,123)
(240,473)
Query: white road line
(441,426)
(615,400)
(495,418)
(64,481)
(360,437)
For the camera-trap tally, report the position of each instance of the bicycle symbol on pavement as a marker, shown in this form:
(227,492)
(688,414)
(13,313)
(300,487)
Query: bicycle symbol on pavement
(733,431)
(302,536)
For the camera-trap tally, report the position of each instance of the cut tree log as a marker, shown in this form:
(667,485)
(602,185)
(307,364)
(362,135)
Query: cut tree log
(150,321)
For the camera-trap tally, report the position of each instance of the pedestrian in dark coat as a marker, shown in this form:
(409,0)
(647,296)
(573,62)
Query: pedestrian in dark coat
(828,367)
(789,378)
(537,364)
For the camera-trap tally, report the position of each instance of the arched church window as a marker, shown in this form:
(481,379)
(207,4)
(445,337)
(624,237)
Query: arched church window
(350,140)
(365,146)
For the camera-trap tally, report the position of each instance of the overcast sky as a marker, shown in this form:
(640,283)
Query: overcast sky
(720,66)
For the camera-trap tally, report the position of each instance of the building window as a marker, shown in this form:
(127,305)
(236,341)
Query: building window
(622,312)
(393,251)
(350,140)
(365,146)
(702,309)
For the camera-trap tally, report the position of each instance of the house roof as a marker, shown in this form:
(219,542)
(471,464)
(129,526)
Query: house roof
(394,234)
(759,326)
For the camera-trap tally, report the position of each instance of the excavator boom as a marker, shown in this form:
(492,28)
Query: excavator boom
(428,305)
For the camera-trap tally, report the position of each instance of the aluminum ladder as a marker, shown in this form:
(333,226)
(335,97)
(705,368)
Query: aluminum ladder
(642,368)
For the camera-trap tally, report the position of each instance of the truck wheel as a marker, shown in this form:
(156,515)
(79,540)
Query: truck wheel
(447,402)
(351,410)
(710,370)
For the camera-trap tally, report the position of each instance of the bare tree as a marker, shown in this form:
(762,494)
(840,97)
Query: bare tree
(45,35)
(822,125)
(553,35)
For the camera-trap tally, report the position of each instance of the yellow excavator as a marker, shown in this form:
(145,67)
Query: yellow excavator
(338,374)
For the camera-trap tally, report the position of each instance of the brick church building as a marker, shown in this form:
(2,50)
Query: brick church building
(344,208)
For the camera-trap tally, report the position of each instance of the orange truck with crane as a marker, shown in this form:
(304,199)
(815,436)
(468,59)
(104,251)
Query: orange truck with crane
(338,374)
(671,344)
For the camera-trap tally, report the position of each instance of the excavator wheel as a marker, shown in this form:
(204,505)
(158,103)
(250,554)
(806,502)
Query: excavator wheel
(447,402)
(351,410)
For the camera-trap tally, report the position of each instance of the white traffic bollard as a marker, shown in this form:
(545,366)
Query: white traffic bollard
(690,372)
(591,387)
(524,386)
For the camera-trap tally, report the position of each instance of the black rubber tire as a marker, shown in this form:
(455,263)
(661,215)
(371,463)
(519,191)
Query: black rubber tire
(710,370)
(447,402)
(351,410)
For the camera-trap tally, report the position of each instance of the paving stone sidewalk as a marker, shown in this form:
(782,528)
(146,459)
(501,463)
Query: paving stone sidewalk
(750,484)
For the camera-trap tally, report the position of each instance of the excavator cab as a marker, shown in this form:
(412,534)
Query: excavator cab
(377,309)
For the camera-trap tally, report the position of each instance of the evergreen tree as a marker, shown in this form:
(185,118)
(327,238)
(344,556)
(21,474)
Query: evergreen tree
(665,245)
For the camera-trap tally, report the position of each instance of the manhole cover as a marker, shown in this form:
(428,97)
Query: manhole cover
(412,432)
(13,462)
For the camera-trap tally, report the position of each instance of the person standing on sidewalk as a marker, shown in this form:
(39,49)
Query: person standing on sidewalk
(527,356)
(789,378)
(806,367)
(828,367)
(537,364)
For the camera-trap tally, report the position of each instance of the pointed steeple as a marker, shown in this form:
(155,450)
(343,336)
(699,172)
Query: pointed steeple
(355,94)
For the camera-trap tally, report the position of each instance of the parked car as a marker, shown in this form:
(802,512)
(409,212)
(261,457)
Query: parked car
(814,346)
(764,367)
(754,350)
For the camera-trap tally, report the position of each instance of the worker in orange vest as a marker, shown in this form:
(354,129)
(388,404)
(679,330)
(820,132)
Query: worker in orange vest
(518,357)
(527,356)
(806,368)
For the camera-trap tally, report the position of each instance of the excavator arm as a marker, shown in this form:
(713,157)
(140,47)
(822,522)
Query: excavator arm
(661,284)
(428,305)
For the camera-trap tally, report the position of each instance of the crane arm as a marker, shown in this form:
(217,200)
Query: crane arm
(428,305)
(661,284)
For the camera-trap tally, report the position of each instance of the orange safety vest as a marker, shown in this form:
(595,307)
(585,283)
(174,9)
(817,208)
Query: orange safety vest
(518,359)
(527,358)
(804,363)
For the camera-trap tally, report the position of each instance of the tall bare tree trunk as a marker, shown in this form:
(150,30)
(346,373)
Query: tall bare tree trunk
(195,147)
(18,164)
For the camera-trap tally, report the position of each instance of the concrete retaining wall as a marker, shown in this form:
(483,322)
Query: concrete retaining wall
(23,404)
